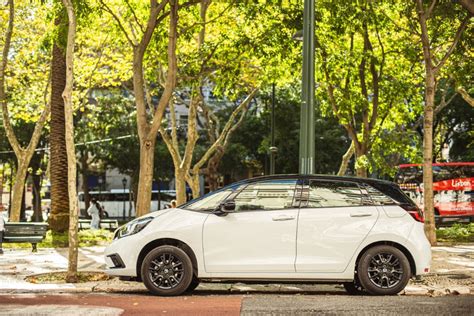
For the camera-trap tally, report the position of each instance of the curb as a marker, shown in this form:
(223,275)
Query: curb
(430,291)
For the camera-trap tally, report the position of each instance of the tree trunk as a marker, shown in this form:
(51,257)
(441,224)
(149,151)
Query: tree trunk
(147,153)
(18,190)
(70,148)
(212,169)
(37,212)
(2,181)
(180,186)
(59,215)
(361,169)
(193,182)
(345,160)
(428,202)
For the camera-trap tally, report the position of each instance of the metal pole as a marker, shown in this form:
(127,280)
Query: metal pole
(10,191)
(159,195)
(124,198)
(307,151)
(272,132)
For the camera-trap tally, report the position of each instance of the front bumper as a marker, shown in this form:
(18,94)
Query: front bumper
(122,255)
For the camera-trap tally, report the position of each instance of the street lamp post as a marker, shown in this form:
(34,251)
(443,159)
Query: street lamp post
(124,182)
(307,151)
(273,149)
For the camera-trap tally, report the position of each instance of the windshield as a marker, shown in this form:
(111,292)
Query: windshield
(210,201)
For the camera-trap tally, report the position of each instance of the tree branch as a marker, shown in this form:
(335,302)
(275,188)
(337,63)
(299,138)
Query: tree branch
(3,98)
(192,131)
(466,96)
(172,69)
(131,41)
(424,36)
(174,126)
(169,144)
(225,130)
(134,15)
(459,32)
(430,9)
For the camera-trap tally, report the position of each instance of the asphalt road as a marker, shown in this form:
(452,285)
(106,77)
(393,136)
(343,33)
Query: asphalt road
(255,304)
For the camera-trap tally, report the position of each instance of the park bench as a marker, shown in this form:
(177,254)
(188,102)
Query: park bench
(33,233)
(109,224)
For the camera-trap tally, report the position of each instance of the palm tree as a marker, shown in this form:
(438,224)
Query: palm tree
(59,216)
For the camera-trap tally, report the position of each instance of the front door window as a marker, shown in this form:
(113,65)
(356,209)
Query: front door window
(267,195)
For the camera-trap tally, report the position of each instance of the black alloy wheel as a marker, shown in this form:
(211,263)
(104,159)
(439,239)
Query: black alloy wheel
(167,271)
(383,270)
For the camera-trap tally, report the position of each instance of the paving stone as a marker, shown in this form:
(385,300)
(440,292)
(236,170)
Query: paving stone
(58,310)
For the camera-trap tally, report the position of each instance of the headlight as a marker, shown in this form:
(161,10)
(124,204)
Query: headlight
(132,227)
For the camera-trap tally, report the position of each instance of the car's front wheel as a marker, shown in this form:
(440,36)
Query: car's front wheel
(167,271)
(383,270)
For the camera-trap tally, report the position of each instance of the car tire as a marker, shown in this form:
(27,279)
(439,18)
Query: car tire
(354,287)
(193,285)
(383,270)
(167,271)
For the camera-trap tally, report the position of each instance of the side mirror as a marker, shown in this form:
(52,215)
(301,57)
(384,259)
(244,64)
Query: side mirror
(225,208)
(228,206)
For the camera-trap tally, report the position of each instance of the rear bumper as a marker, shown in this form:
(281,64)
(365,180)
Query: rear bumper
(420,249)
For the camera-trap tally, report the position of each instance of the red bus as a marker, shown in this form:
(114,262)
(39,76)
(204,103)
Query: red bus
(453,184)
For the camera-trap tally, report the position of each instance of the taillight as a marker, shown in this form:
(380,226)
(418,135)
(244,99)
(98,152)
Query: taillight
(414,211)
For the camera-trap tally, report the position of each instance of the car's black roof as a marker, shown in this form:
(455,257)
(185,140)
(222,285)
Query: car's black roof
(319,177)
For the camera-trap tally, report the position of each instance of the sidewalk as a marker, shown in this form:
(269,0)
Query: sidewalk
(452,273)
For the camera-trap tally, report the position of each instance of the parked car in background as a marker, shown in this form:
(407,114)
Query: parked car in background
(364,233)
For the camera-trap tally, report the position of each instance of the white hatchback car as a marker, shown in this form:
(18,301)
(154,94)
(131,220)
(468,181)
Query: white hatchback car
(364,233)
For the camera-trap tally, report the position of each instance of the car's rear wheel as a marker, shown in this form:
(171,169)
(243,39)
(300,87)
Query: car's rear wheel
(167,271)
(383,270)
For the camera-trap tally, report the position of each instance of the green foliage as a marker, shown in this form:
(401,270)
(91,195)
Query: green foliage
(248,44)
(250,144)
(456,233)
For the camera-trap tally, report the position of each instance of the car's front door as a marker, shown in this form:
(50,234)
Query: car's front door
(260,235)
(335,217)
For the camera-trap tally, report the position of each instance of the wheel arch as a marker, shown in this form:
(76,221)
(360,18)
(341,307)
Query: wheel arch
(166,242)
(405,251)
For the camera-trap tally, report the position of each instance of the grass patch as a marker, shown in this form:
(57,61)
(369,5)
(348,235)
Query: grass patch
(60,277)
(87,238)
(456,233)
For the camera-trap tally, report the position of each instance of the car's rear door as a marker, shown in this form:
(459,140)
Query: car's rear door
(260,236)
(333,221)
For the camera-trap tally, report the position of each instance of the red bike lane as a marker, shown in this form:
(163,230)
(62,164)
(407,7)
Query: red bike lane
(130,304)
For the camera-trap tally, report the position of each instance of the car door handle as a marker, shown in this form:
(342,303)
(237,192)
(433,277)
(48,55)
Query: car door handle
(283,218)
(361,214)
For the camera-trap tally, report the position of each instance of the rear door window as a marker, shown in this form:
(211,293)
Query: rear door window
(322,193)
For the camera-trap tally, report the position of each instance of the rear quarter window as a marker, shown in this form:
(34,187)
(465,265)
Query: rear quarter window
(387,194)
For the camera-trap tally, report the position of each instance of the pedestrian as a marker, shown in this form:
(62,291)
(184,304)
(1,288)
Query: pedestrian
(173,203)
(94,212)
(2,228)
